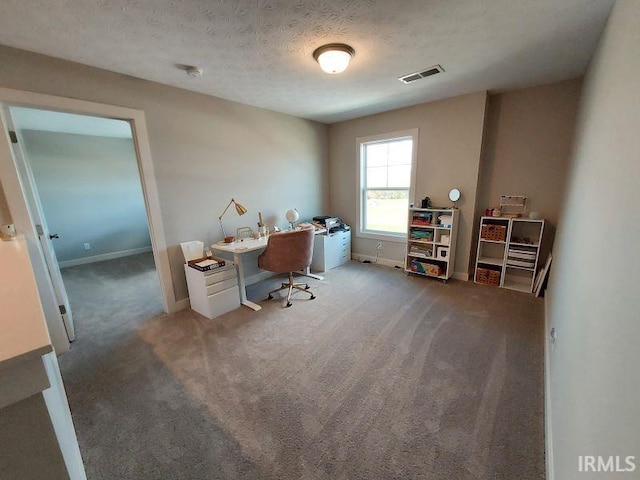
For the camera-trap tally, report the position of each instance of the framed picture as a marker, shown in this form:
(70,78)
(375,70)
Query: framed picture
(542,276)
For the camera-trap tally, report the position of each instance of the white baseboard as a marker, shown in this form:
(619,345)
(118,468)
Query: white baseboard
(387,262)
(182,305)
(104,256)
(547,392)
(464,276)
(258,277)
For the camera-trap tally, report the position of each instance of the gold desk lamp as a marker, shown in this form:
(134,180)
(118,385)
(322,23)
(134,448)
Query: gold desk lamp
(241,211)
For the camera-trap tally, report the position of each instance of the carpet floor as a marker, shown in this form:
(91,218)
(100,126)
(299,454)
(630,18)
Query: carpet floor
(382,376)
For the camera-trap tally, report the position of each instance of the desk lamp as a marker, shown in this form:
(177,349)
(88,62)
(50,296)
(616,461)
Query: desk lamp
(239,208)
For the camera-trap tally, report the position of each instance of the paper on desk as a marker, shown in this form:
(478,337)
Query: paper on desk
(206,263)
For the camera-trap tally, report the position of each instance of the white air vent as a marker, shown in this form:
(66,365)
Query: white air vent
(427,72)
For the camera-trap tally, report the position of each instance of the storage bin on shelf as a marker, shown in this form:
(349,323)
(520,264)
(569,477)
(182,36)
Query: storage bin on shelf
(496,233)
(487,276)
(442,253)
(428,268)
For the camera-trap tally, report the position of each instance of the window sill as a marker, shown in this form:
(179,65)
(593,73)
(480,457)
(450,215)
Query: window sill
(387,237)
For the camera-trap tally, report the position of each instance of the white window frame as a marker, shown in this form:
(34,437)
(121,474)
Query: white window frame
(360,143)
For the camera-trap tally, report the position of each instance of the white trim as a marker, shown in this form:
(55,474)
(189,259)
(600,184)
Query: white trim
(464,276)
(258,277)
(386,262)
(55,397)
(386,237)
(104,256)
(414,133)
(183,304)
(18,208)
(547,392)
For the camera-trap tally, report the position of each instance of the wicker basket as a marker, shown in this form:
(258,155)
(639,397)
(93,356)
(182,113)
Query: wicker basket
(487,276)
(496,233)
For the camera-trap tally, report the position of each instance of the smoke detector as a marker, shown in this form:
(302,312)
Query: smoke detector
(194,72)
(427,72)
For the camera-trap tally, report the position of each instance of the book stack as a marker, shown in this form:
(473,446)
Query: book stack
(207,263)
(517,257)
(418,250)
(422,235)
(422,218)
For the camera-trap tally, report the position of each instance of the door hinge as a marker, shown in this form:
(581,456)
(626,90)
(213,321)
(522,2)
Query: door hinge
(13,136)
(63,309)
(39,230)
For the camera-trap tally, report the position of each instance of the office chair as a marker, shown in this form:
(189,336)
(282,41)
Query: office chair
(288,252)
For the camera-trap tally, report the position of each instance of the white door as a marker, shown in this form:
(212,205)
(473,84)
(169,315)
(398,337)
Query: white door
(37,217)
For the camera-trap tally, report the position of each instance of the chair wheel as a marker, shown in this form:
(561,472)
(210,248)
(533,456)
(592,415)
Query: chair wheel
(307,287)
(312,297)
(270,297)
(288,304)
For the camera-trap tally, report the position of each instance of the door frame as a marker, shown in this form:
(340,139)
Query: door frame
(20,211)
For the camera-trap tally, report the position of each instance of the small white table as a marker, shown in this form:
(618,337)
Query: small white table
(237,248)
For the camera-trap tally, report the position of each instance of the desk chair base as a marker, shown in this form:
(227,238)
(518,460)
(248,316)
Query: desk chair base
(303,287)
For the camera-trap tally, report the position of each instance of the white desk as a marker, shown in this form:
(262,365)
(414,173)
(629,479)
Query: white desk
(237,248)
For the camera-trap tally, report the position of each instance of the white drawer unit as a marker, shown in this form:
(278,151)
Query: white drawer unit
(331,250)
(215,292)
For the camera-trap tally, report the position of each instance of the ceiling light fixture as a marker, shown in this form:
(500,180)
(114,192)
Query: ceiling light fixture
(334,57)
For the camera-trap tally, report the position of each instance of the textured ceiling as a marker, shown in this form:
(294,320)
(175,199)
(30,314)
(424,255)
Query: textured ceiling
(259,52)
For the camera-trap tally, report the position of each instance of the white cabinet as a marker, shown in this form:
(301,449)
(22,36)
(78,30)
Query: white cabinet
(331,250)
(37,436)
(214,292)
(431,242)
(509,252)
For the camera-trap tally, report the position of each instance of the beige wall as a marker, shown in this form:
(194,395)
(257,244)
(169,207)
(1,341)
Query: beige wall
(527,147)
(205,150)
(449,143)
(594,394)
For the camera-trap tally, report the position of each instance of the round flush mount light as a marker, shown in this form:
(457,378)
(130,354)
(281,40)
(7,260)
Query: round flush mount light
(194,72)
(334,57)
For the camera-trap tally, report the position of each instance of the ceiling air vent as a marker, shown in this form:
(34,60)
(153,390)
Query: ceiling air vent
(412,77)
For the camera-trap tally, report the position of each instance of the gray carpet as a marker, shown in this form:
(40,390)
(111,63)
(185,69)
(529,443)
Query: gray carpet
(383,376)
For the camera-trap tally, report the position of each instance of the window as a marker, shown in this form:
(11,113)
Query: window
(387,165)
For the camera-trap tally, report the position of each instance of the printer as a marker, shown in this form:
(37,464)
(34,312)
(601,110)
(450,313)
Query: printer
(332,224)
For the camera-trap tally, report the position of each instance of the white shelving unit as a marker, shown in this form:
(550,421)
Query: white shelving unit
(431,244)
(513,261)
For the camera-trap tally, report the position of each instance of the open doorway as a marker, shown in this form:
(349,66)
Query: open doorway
(84,181)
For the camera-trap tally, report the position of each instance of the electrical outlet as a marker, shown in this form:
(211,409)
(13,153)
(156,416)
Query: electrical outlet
(87,246)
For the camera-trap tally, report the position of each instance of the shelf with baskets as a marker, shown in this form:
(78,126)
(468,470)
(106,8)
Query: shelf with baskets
(431,242)
(508,252)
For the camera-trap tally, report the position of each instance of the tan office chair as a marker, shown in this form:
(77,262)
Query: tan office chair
(288,252)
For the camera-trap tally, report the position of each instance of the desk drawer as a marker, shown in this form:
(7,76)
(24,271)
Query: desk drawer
(215,277)
(222,285)
(222,302)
